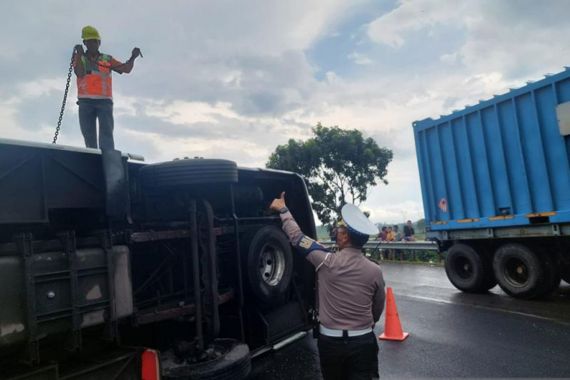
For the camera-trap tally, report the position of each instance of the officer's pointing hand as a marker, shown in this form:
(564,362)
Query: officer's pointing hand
(278,203)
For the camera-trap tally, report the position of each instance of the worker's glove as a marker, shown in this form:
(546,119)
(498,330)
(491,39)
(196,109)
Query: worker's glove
(79,50)
(136,52)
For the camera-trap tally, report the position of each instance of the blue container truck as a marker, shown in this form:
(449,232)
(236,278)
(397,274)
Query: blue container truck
(495,181)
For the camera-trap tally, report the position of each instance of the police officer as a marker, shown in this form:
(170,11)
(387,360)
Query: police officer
(350,294)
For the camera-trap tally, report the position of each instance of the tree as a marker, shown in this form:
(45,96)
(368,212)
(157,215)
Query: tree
(339,167)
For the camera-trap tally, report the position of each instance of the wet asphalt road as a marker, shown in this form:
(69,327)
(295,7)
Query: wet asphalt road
(452,334)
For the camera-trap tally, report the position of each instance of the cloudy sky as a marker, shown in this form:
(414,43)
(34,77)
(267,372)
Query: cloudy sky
(234,79)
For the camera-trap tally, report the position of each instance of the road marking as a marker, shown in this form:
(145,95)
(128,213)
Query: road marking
(439,300)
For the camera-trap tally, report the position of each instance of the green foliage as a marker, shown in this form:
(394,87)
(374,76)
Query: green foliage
(339,167)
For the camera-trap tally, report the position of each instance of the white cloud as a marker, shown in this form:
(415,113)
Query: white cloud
(9,126)
(396,212)
(517,37)
(359,59)
(412,15)
(181,112)
(332,78)
(450,58)
(235,79)
(40,87)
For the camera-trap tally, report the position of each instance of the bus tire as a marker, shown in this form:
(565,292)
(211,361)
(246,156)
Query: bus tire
(269,264)
(233,361)
(188,172)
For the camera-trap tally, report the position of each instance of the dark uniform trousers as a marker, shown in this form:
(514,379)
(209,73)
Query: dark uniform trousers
(349,358)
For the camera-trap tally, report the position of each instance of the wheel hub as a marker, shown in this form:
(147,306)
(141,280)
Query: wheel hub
(516,272)
(271,264)
(463,267)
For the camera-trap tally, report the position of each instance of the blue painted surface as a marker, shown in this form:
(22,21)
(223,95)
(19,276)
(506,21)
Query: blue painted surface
(503,156)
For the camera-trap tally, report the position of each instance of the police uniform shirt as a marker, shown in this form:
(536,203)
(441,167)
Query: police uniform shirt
(350,287)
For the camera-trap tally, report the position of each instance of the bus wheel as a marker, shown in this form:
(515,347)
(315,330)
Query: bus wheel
(466,269)
(228,360)
(188,172)
(518,270)
(269,265)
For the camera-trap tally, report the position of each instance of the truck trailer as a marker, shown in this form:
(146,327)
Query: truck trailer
(116,269)
(495,182)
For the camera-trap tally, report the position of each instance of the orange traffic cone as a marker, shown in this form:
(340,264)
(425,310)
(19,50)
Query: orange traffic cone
(392,327)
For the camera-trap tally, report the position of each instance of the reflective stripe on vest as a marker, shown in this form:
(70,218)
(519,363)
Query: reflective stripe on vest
(97,82)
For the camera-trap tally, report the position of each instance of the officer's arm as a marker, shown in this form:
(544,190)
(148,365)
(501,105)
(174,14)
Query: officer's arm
(379,297)
(316,253)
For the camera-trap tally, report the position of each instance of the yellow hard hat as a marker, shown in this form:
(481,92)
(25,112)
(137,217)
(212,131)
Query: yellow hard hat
(90,33)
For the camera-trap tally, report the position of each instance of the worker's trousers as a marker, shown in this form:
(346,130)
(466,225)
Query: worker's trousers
(351,358)
(91,110)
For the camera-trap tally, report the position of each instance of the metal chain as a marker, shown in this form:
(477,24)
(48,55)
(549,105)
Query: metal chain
(64,99)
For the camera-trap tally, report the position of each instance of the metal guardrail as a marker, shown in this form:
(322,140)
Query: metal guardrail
(400,245)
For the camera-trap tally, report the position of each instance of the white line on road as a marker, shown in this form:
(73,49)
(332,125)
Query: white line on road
(439,300)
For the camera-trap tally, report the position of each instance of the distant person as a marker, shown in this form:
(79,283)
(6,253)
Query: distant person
(397,233)
(382,235)
(95,88)
(382,238)
(409,231)
(390,236)
(350,294)
(398,237)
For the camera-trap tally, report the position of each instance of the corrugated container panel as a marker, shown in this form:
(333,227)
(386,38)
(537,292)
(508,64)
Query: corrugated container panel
(498,163)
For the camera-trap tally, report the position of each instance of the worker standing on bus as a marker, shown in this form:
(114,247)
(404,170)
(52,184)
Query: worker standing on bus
(95,88)
(350,294)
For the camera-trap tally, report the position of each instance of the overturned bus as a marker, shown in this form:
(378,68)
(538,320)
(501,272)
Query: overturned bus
(116,269)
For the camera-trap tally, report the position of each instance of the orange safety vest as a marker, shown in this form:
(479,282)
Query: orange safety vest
(97,82)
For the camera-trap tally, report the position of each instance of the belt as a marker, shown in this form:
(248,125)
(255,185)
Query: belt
(340,333)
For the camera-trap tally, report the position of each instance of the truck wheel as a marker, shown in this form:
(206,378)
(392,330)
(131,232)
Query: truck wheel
(466,269)
(551,279)
(490,281)
(518,271)
(487,259)
(232,361)
(269,264)
(186,172)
